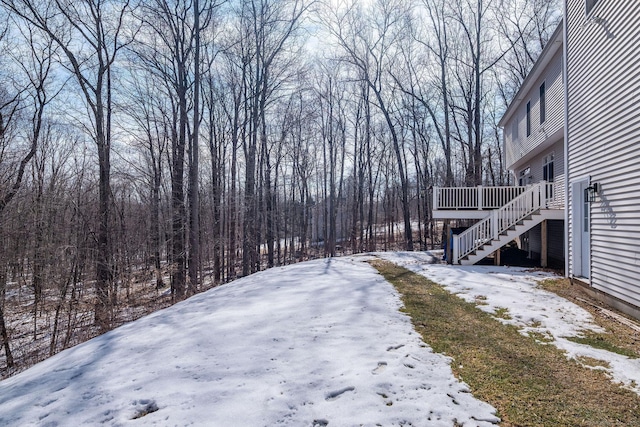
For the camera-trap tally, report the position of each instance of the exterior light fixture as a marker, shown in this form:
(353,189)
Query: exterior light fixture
(592,192)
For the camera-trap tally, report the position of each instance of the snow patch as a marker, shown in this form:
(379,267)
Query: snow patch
(317,343)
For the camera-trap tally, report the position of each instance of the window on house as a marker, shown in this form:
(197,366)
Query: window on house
(585,211)
(548,175)
(528,118)
(589,5)
(547,168)
(543,103)
(524,178)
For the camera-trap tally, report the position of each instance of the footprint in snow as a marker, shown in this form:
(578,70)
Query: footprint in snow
(380,368)
(395,347)
(47,403)
(336,394)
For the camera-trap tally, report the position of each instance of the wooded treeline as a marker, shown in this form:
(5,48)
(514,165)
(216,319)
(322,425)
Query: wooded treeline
(181,144)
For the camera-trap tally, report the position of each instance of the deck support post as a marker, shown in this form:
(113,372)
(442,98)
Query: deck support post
(456,249)
(448,242)
(544,244)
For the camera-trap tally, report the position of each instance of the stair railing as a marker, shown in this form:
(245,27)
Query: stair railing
(498,221)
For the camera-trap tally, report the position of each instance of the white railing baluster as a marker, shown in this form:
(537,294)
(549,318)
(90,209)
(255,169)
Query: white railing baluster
(480,197)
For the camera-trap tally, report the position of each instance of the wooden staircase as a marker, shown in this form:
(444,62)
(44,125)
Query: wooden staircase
(502,225)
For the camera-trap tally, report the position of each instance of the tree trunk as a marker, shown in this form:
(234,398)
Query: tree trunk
(178,274)
(194,201)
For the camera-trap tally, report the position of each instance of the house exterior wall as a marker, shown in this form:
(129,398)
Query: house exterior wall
(603,139)
(518,145)
(527,152)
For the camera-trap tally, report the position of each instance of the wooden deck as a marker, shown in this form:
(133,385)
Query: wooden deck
(474,202)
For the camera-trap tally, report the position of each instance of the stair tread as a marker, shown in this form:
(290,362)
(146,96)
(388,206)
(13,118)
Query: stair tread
(502,239)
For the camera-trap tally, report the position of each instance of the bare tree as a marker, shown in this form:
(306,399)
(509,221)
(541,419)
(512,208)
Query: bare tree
(370,48)
(150,111)
(37,67)
(36,94)
(266,30)
(167,50)
(100,26)
(524,27)
(231,99)
(333,130)
(417,81)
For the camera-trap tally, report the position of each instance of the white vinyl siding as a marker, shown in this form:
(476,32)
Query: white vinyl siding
(526,151)
(570,232)
(517,143)
(604,137)
(536,165)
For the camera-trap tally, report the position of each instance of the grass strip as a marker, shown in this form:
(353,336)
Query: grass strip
(602,342)
(529,384)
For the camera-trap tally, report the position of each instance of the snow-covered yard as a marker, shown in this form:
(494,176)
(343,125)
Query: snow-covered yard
(312,344)
(320,342)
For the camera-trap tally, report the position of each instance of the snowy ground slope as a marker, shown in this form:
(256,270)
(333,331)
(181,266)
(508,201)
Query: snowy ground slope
(317,343)
(531,308)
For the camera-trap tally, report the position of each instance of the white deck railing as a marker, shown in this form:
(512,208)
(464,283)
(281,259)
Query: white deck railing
(532,198)
(480,197)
